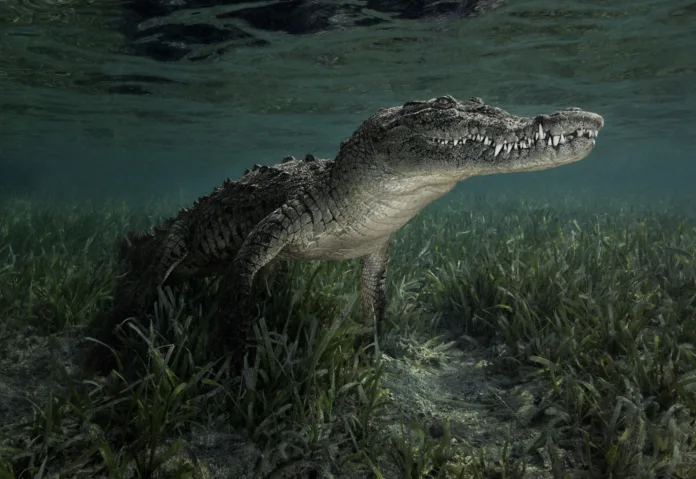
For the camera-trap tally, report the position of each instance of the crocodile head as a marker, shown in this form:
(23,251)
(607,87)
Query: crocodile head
(449,139)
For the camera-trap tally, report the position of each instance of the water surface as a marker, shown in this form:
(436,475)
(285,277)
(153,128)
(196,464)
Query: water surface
(99,100)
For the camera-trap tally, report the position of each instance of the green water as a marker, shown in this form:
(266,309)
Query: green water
(540,325)
(72,127)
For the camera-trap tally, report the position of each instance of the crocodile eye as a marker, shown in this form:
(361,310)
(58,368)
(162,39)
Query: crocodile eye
(476,100)
(445,101)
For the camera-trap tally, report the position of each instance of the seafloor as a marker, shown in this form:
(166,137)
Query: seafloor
(536,339)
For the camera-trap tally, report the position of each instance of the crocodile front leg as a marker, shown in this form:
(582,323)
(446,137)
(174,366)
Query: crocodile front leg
(272,275)
(261,247)
(373,302)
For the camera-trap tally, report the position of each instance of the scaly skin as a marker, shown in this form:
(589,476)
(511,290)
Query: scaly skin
(396,163)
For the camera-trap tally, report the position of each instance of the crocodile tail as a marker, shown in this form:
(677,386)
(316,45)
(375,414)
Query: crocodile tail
(132,294)
(100,357)
(140,253)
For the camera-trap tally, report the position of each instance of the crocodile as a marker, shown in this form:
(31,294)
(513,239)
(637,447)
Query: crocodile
(397,162)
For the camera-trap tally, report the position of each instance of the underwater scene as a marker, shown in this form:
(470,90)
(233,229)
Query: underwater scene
(348,239)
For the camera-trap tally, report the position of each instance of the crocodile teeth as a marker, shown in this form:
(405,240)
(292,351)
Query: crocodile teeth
(520,143)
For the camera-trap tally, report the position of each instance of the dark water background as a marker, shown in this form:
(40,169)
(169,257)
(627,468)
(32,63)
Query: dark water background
(129,100)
